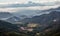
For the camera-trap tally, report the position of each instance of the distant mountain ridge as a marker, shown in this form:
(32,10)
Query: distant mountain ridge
(46,18)
(13,19)
(30,16)
(5,15)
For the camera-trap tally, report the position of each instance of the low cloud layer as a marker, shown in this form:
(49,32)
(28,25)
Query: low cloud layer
(25,1)
(27,8)
(28,5)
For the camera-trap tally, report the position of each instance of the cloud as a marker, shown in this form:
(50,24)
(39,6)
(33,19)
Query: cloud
(18,5)
(29,4)
(44,1)
(13,1)
(25,1)
(27,8)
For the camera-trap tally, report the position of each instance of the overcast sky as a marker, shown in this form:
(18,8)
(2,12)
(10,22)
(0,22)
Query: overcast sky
(27,8)
(25,1)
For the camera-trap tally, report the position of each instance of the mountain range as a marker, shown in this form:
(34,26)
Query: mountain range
(5,15)
(48,15)
(46,18)
(27,15)
(50,22)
